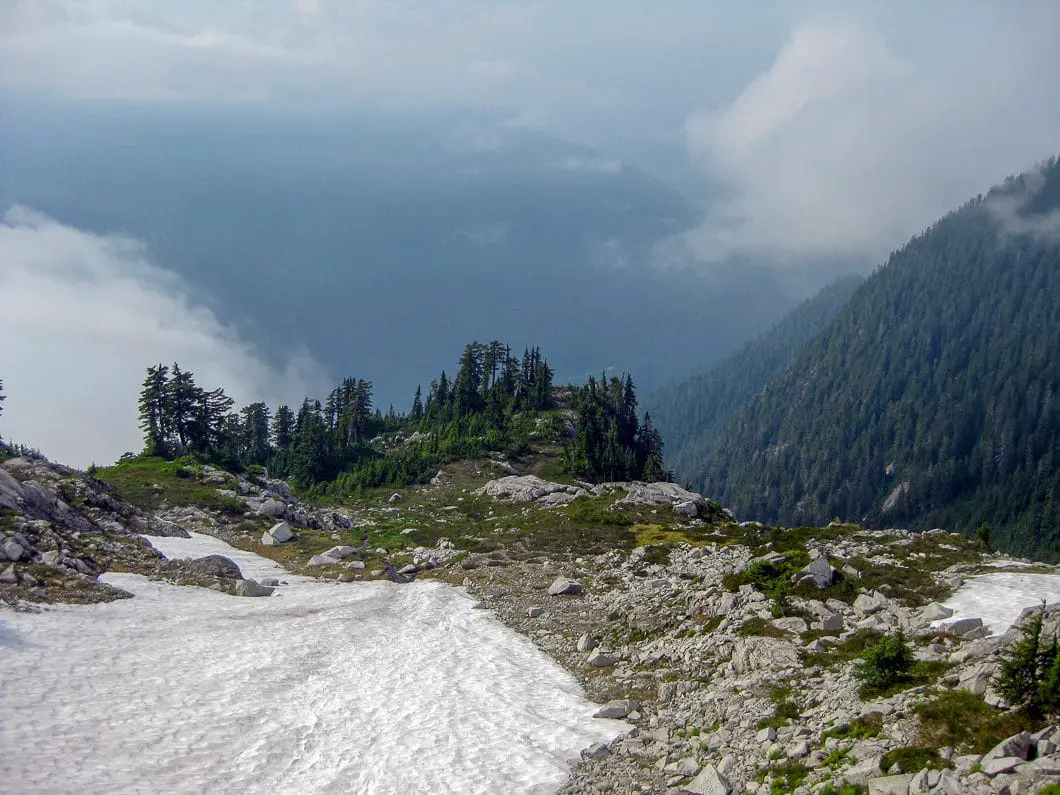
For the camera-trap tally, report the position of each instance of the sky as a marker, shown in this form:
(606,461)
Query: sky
(805,131)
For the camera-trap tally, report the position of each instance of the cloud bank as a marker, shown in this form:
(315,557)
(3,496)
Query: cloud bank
(854,140)
(83,315)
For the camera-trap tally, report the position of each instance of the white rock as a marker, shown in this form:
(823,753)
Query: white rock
(535,612)
(323,560)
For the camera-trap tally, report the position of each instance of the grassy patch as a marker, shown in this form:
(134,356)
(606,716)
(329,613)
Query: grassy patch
(761,628)
(962,720)
(147,482)
(656,534)
(913,585)
(850,649)
(845,789)
(784,709)
(912,759)
(863,728)
(922,673)
(787,778)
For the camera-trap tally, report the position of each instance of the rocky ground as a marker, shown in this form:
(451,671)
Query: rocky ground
(655,598)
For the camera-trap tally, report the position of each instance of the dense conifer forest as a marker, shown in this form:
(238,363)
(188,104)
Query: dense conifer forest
(932,399)
(690,413)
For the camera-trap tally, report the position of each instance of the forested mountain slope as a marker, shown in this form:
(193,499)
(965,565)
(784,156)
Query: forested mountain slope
(932,397)
(690,413)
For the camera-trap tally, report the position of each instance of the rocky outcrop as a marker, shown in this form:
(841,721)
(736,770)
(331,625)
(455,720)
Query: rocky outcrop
(530,488)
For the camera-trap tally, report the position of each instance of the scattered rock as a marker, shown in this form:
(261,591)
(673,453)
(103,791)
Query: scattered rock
(252,588)
(618,709)
(277,534)
(340,552)
(819,573)
(709,782)
(587,643)
(599,659)
(561,586)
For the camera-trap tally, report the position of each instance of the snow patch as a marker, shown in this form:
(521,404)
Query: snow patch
(999,598)
(320,688)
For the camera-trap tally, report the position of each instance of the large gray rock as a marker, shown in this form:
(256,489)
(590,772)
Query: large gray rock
(252,588)
(963,627)
(277,534)
(652,494)
(819,573)
(998,765)
(528,488)
(8,576)
(790,624)
(867,605)
(340,552)
(217,566)
(561,586)
(600,659)
(890,785)
(709,782)
(617,709)
(323,560)
(933,612)
(587,643)
(1017,745)
(10,549)
(764,654)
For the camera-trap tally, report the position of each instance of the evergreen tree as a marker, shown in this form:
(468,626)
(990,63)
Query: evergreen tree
(255,433)
(182,398)
(417,405)
(1021,669)
(154,414)
(283,428)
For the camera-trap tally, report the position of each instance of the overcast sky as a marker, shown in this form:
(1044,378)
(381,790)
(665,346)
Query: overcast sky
(831,129)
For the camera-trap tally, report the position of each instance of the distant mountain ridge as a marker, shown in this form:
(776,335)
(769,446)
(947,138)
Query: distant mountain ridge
(690,413)
(931,399)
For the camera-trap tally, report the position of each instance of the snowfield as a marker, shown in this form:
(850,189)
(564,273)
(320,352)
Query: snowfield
(999,598)
(367,688)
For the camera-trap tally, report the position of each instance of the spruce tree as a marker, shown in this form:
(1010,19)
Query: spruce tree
(154,414)
(283,428)
(417,405)
(182,398)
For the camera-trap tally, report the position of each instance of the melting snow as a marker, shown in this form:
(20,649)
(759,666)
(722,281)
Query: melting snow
(321,688)
(999,598)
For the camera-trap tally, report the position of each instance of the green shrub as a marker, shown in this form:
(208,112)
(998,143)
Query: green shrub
(885,664)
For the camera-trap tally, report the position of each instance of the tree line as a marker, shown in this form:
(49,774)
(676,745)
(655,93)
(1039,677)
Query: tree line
(495,401)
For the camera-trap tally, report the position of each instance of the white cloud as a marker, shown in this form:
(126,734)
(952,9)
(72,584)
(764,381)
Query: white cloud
(83,315)
(852,142)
